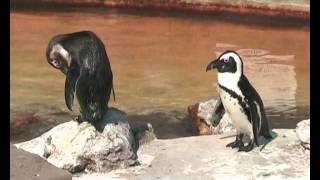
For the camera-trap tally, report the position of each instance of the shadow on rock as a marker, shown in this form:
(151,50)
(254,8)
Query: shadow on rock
(166,125)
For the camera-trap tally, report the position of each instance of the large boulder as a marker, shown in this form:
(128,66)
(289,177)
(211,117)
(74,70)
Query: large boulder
(80,147)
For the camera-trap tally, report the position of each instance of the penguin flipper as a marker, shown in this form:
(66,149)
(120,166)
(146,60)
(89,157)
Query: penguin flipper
(70,84)
(114,97)
(218,113)
(254,119)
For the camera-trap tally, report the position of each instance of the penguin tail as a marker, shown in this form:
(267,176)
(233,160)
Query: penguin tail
(256,141)
(265,131)
(267,135)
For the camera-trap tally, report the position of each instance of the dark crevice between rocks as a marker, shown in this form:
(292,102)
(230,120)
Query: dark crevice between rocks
(165,125)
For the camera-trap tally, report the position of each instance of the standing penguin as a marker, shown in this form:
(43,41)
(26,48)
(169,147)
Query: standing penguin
(240,100)
(82,57)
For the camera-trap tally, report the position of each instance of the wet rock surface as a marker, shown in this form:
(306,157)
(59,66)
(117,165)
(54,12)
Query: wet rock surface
(80,147)
(24,165)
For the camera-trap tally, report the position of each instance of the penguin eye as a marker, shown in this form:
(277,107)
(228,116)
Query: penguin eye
(226,60)
(55,63)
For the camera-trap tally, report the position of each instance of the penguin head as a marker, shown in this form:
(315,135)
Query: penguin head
(58,57)
(227,62)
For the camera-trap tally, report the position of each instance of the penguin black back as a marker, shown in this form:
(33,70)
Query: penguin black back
(250,92)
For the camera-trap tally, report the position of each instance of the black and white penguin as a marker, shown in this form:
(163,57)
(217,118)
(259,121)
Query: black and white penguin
(82,57)
(240,100)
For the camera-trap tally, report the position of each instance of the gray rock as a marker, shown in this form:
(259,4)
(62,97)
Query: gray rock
(80,147)
(24,165)
(206,112)
(303,133)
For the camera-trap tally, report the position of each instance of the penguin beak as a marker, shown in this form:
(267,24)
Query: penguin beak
(64,70)
(214,64)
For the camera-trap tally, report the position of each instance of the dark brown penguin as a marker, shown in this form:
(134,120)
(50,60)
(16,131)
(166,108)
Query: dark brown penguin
(82,57)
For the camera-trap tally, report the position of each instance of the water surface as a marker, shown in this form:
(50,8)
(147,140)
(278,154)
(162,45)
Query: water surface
(159,62)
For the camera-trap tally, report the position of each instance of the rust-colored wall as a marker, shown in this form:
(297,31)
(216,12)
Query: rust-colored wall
(268,8)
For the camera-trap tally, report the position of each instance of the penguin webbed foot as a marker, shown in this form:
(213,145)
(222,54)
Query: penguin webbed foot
(236,143)
(79,119)
(247,148)
(97,127)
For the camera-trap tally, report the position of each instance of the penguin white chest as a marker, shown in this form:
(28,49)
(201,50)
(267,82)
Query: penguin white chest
(235,112)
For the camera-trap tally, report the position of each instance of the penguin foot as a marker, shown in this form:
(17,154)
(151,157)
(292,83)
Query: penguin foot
(247,148)
(234,144)
(79,119)
(97,127)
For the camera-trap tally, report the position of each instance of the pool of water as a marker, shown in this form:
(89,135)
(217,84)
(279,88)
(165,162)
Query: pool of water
(159,62)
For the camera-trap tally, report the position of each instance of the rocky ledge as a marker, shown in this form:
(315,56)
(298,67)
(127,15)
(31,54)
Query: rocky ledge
(115,153)
(81,148)
(206,157)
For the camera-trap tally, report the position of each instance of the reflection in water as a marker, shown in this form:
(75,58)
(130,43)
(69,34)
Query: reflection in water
(159,62)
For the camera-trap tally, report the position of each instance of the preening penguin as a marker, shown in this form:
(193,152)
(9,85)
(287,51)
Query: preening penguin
(240,100)
(82,57)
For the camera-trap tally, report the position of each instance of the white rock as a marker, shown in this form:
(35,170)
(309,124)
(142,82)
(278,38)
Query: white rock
(78,147)
(206,112)
(206,109)
(225,125)
(303,132)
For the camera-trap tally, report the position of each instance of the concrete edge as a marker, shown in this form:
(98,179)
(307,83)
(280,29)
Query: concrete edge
(294,11)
